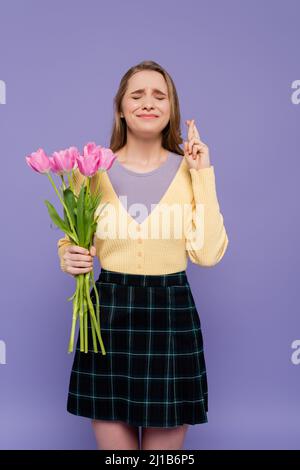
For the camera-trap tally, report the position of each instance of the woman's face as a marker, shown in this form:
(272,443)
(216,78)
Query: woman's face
(147,93)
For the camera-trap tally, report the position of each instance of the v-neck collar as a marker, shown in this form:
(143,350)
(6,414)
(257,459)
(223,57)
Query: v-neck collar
(161,201)
(145,173)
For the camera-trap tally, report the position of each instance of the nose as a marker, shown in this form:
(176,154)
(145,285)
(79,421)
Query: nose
(147,106)
(148,102)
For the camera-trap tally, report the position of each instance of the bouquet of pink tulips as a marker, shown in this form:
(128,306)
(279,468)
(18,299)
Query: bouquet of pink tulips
(79,223)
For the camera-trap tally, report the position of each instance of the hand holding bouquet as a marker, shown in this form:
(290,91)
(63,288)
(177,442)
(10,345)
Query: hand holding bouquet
(79,223)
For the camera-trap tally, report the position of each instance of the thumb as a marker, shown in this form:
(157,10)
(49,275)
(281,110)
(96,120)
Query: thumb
(186,149)
(93,250)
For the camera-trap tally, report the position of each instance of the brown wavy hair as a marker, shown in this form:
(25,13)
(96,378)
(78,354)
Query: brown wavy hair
(171,134)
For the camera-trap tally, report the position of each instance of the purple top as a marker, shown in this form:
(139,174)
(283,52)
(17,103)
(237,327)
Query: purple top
(134,189)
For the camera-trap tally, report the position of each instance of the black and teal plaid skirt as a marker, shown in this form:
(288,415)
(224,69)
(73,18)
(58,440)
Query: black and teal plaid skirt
(153,373)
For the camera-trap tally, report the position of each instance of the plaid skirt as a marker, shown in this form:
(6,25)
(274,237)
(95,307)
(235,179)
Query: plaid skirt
(153,373)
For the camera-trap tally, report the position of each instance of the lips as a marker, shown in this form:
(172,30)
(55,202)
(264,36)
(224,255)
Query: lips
(147,116)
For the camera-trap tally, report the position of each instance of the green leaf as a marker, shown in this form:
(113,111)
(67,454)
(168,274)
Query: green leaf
(88,235)
(71,204)
(88,221)
(96,200)
(59,222)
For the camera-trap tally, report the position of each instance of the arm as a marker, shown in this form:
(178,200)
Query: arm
(215,239)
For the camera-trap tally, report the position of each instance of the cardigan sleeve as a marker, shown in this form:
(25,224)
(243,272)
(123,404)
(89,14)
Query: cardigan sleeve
(208,220)
(77,179)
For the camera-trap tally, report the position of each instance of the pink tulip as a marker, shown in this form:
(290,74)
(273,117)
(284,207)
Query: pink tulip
(88,166)
(54,167)
(64,160)
(107,159)
(39,161)
(89,162)
(91,148)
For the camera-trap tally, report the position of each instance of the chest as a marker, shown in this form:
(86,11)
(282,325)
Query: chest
(127,210)
(140,193)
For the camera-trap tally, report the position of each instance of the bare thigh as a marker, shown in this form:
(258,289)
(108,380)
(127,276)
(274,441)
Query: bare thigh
(163,438)
(115,435)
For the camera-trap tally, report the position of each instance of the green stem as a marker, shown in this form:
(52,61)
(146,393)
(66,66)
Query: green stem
(93,318)
(88,184)
(81,314)
(63,181)
(94,337)
(70,180)
(97,299)
(85,317)
(74,318)
(66,209)
(92,324)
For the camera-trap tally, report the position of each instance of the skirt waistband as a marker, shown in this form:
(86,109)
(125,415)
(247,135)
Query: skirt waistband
(155,280)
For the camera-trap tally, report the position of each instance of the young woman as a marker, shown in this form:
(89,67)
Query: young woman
(153,376)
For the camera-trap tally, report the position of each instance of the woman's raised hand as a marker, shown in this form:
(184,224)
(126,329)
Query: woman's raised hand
(196,152)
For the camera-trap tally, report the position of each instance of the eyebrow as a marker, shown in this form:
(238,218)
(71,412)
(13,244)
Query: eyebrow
(156,90)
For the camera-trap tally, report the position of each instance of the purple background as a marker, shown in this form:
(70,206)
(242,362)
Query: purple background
(233,64)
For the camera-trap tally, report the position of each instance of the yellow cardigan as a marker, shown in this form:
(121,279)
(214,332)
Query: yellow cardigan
(165,240)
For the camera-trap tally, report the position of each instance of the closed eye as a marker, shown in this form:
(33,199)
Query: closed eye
(136,98)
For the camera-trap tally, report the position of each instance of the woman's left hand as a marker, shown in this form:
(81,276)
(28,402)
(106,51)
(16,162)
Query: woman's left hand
(196,152)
